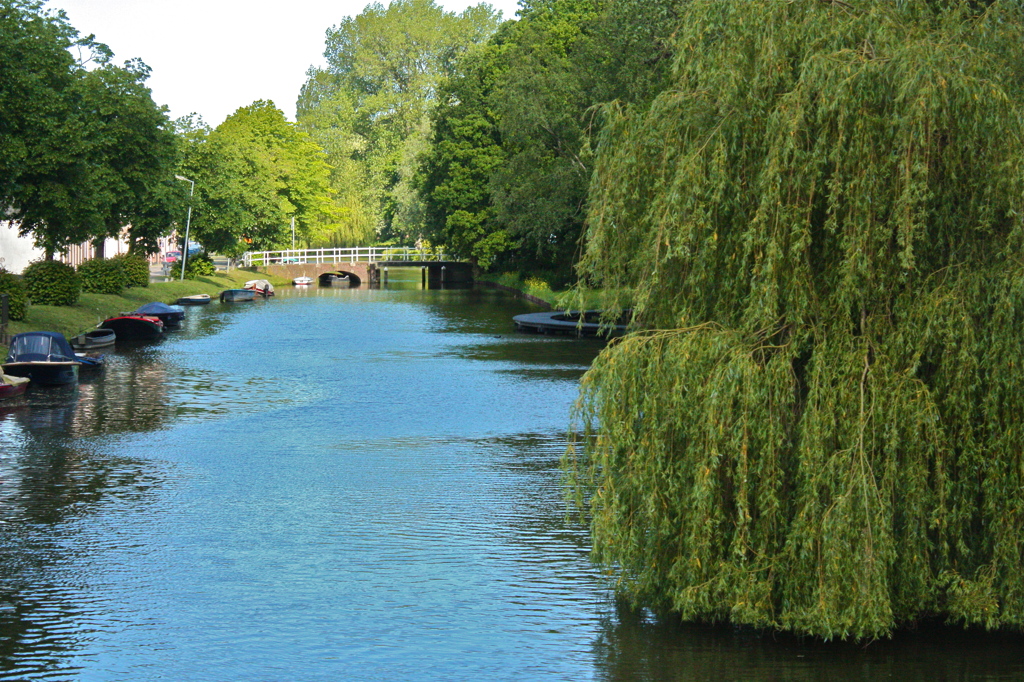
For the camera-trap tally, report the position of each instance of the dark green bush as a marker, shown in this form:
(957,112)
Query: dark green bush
(135,269)
(199,265)
(101,276)
(17,298)
(51,282)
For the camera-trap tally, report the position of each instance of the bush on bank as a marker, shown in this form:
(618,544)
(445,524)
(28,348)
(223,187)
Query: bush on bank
(134,269)
(17,297)
(101,276)
(199,265)
(50,282)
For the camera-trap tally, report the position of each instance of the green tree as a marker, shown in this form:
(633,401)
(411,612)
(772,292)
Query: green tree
(43,156)
(466,152)
(821,218)
(83,153)
(506,181)
(369,105)
(131,151)
(253,173)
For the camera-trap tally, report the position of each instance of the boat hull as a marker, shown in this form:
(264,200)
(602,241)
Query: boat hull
(97,338)
(198,299)
(44,373)
(12,386)
(234,295)
(135,328)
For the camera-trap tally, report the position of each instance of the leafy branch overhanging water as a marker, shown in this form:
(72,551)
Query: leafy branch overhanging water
(821,223)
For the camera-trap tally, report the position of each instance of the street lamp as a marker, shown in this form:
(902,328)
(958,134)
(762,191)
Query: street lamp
(188,224)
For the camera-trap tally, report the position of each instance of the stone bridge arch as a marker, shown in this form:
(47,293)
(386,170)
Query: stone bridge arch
(358,273)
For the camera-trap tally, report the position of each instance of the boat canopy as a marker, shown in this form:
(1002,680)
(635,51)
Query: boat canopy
(40,347)
(261,284)
(157,308)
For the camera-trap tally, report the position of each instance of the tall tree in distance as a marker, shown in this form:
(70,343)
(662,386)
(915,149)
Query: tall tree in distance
(253,174)
(131,150)
(369,105)
(506,180)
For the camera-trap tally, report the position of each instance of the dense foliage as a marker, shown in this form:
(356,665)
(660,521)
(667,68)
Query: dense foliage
(822,216)
(101,276)
(505,180)
(17,297)
(197,265)
(253,174)
(368,108)
(83,152)
(50,282)
(134,269)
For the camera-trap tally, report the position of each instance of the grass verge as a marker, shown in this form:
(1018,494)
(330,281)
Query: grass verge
(537,288)
(92,309)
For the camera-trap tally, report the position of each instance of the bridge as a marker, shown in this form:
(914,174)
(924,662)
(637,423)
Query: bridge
(363,264)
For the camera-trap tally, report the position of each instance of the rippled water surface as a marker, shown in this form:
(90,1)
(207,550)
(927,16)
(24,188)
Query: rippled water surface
(345,485)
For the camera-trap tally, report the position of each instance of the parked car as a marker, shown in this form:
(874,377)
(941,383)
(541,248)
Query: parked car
(172,256)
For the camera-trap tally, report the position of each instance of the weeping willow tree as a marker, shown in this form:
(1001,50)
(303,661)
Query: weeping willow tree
(820,427)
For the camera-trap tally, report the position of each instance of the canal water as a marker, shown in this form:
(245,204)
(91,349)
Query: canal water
(347,484)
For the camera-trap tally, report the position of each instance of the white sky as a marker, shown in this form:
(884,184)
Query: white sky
(214,56)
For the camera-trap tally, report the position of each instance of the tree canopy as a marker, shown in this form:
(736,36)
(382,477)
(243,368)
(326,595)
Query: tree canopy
(368,107)
(253,174)
(819,225)
(505,182)
(83,153)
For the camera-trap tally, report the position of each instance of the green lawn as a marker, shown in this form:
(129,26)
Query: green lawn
(92,309)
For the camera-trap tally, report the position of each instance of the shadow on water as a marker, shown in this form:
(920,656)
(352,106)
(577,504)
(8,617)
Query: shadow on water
(636,646)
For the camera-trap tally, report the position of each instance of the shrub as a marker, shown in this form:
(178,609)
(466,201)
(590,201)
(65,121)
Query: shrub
(199,265)
(51,282)
(17,298)
(101,276)
(135,270)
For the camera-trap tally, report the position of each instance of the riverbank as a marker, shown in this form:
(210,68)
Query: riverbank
(92,309)
(538,291)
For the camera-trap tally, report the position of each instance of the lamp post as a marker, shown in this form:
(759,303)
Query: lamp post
(188,224)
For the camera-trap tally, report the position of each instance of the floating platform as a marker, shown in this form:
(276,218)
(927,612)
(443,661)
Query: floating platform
(566,323)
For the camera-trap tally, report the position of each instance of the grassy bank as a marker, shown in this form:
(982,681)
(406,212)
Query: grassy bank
(92,309)
(539,291)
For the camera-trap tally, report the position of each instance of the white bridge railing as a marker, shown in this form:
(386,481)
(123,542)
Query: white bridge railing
(359,254)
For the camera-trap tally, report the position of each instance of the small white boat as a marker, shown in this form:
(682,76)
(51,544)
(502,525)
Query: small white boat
(195,299)
(260,286)
(302,281)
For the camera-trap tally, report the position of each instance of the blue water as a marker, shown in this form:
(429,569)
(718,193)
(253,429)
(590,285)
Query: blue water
(345,485)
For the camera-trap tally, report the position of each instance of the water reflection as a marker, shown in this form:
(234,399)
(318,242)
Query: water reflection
(633,646)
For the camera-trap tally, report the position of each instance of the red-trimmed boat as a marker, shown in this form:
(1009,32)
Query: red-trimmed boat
(131,327)
(261,286)
(11,386)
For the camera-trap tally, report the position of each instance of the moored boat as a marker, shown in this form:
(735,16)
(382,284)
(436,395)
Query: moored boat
(260,286)
(170,315)
(195,299)
(91,363)
(230,295)
(302,281)
(11,386)
(132,327)
(97,338)
(44,357)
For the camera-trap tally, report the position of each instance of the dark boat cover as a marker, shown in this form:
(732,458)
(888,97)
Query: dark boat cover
(160,310)
(40,347)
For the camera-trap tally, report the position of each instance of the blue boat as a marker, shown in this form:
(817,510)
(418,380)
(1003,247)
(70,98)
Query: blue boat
(44,357)
(170,315)
(229,295)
